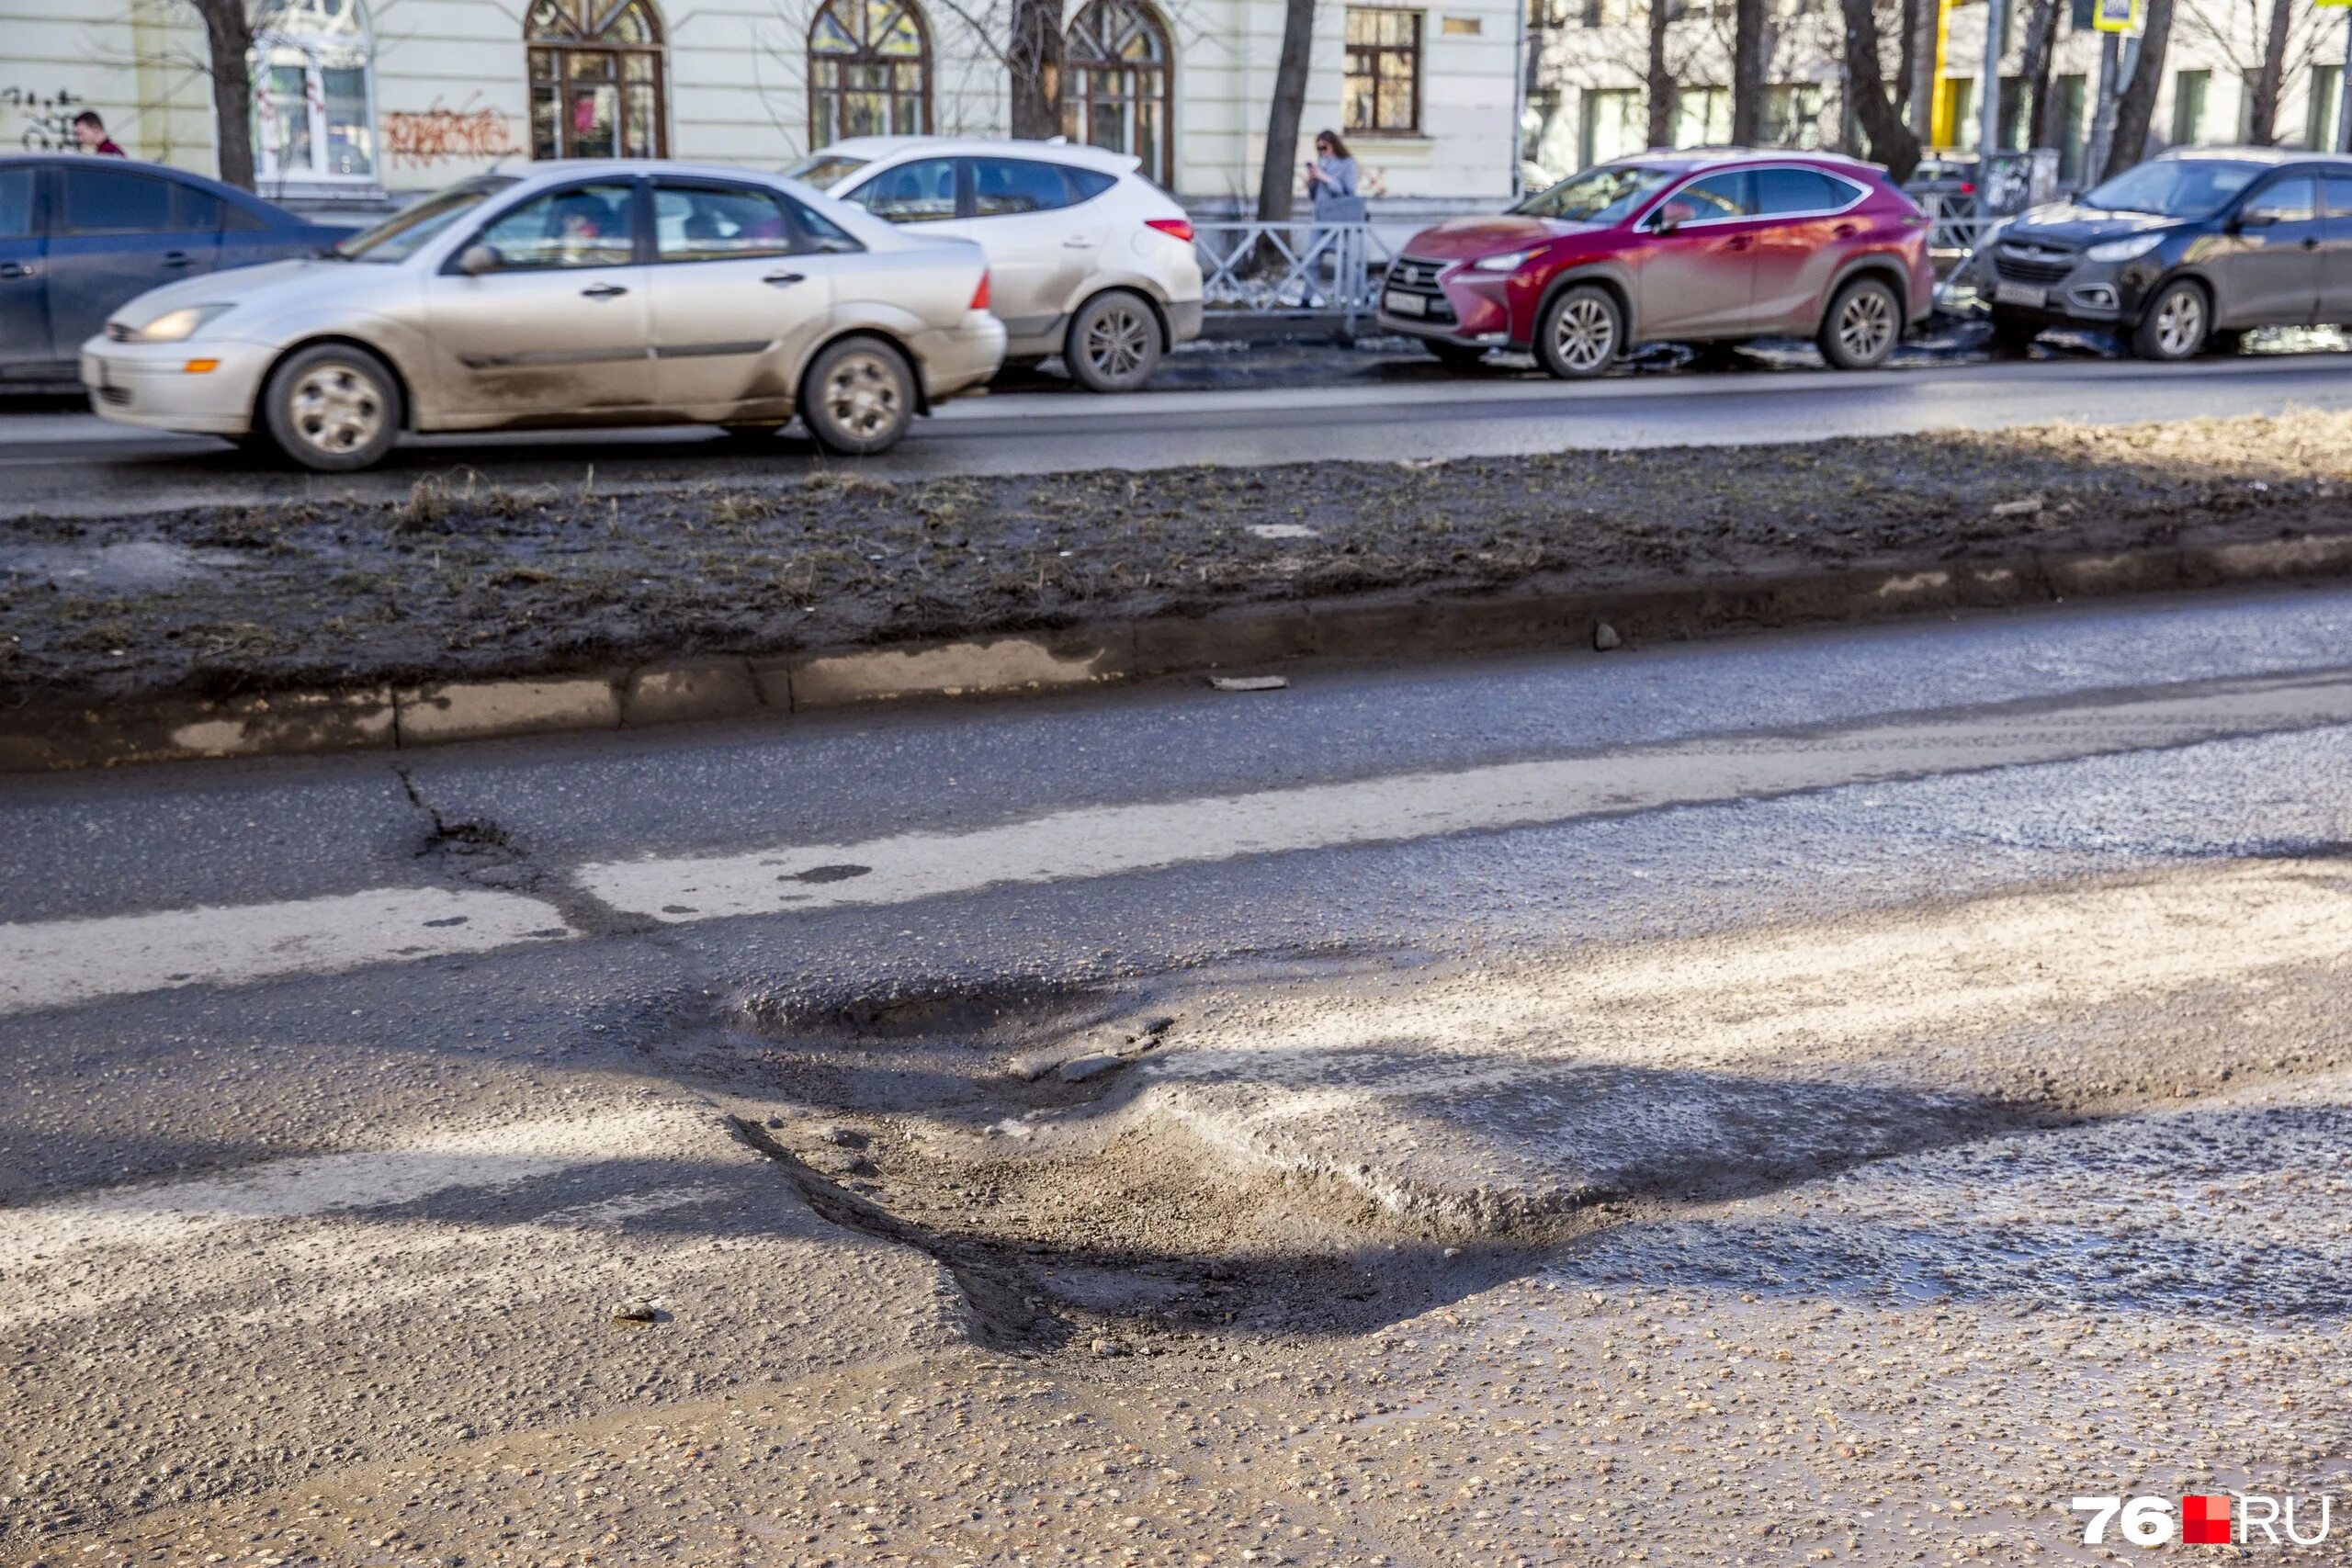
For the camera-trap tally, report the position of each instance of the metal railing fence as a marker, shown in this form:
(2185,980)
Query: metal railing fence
(1291,270)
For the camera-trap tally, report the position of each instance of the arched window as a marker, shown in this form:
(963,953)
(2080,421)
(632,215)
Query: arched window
(869,70)
(1115,83)
(596,79)
(312,116)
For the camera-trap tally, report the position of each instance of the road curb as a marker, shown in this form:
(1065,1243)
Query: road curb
(671,692)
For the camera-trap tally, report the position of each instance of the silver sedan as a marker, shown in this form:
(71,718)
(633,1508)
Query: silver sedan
(578,294)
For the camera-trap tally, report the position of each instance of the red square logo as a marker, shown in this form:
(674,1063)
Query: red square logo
(2205,1521)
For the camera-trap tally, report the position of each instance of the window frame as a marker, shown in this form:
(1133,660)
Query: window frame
(959,169)
(2280,181)
(313,45)
(1862,192)
(1079,73)
(799,240)
(821,137)
(60,214)
(641,220)
(562,50)
(1372,53)
(1647,221)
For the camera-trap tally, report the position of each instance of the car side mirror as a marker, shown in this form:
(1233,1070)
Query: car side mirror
(1675,214)
(475,260)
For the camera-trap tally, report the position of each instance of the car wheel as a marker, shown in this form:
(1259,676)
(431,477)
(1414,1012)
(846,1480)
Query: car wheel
(858,397)
(1455,356)
(1580,332)
(332,408)
(2012,337)
(1862,325)
(1113,344)
(2175,324)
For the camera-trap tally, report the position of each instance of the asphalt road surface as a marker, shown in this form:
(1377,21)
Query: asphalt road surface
(1849,1092)
(67,462)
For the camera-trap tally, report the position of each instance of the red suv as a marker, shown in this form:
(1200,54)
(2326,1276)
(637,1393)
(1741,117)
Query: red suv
(1680,247)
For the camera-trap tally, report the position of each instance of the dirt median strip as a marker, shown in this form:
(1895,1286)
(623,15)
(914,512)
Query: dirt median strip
(464,612)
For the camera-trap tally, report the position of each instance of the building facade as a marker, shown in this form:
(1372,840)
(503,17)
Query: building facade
(361,103)
(1585,97)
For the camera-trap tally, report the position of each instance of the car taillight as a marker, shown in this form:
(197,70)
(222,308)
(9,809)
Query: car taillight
(1174,228)
(980,295)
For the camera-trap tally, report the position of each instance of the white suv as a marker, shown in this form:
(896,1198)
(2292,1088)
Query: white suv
(1087,258)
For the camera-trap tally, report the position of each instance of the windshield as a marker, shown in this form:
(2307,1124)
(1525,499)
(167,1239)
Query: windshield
(397,238)
(824,171)
(1603,194)
(2174,187)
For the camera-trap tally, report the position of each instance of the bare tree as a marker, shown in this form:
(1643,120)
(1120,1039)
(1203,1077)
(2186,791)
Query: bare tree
(1276,178)
(229,47)
(1748,50)
(1906,56)
(1891,138)
(2033,68)
(1658,76)
(2262,114)
(2136,105)
(1034,67)
(2266,42)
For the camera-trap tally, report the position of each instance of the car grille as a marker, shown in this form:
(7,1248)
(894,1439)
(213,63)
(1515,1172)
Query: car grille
(118,397)
(2032,264)
(1413,274)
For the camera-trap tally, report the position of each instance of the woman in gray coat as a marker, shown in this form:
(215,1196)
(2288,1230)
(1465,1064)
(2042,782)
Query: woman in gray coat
(1331,186)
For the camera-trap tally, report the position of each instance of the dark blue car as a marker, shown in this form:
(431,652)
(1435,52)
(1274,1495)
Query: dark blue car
(80,236)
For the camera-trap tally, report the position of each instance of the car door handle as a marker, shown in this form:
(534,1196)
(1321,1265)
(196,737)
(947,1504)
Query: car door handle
(1847,231)
(603,291)
(178,258)
(1077,242)
(2311,241)
(18,269)
(1738,242)
(785,279)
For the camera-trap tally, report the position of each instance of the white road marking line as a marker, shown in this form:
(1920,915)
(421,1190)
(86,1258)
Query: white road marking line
(1106,840)
(61,963)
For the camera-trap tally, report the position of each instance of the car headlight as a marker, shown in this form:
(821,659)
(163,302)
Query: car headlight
(2132,249)
(175,326)
(1509,261)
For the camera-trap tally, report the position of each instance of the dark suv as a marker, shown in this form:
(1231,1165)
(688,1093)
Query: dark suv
(1692,246)
(80,236)
(2188,247)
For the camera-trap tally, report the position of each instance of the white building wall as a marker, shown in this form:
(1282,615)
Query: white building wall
(451,91)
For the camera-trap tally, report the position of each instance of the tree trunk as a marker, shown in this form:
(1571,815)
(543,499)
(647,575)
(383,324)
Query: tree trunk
(2137,103)
(2034,70)
(1035,66)
(1747,72)
(1659,78)
(2262,115)
(228,39)
(1921,97)
(1906,56)
(1892,142)
(1279,175)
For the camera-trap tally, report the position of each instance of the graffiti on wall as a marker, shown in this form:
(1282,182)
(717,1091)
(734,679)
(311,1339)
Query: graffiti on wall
(44,124)
(438,134)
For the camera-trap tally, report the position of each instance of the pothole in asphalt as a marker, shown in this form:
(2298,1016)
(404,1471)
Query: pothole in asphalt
(1060,1151)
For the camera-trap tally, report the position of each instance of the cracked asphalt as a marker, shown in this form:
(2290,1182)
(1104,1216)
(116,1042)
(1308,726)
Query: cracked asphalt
(1812,1097)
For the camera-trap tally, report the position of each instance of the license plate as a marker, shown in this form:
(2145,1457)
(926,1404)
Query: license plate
(1405,304)
(2019,293)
